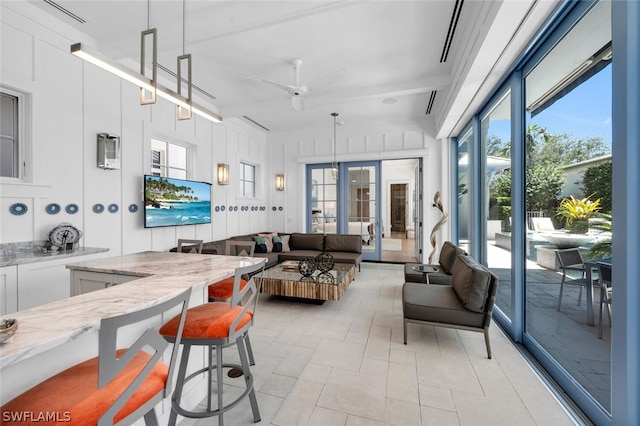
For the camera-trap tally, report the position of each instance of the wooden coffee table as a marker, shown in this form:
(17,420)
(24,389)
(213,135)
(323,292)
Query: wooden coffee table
(281,282)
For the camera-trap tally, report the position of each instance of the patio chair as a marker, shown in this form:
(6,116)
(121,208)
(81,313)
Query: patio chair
(542,224)
(604,273)
(571,262)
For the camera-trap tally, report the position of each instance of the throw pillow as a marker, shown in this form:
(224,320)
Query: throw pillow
(267,241)
(261,245)
(277,244)
(285,243)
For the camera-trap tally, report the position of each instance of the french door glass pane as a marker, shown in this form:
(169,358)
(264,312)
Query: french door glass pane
(361,202)
(324,192)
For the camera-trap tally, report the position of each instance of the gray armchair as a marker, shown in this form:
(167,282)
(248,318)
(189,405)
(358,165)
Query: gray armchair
(448,254)
(466,304)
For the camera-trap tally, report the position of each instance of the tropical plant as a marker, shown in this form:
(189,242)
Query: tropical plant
(597,180)
(578,210)
(602,248)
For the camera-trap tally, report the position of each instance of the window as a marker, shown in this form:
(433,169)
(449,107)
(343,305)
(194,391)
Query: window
(168,159)
(247,180)
(9,136)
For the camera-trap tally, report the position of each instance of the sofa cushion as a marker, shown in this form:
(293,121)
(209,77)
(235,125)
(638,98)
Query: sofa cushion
(299,241)
(261,244)
(285,243)
(448,254)
(213,247)
(346,257)
(268,239)
(471,282)
(277,244)
(343,243)
(437,303)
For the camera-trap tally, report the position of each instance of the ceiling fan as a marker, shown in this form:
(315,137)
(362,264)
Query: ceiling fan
(297,90)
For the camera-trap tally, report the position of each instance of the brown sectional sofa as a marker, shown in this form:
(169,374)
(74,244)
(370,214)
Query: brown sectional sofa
(343,248)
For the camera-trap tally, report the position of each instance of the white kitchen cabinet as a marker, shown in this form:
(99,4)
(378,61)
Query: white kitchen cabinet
(87,281)
(8,289)
(42,282)
(46,281)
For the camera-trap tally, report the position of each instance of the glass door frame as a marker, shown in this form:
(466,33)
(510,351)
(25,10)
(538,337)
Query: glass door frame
(343,205)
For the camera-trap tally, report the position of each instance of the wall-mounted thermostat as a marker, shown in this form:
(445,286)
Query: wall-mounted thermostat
(108,151)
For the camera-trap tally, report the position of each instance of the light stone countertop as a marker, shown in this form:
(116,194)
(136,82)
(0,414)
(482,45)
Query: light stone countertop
(32,255)
(163,275)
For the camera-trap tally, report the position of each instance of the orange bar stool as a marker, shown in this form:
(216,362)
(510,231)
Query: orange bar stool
(223,290)
(118,386)
(218,325)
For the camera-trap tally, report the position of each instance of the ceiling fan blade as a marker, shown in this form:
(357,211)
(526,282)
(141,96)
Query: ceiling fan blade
(298,103)
(271,83)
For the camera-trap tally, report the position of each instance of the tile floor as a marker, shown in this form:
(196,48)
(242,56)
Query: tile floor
(344,363)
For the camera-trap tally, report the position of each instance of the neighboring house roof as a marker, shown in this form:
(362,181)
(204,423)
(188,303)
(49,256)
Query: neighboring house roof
(588,163)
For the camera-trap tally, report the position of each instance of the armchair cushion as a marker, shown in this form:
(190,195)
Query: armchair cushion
(437,303)
(471,282)
(448,254)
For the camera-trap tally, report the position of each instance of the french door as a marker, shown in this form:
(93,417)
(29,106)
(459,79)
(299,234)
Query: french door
(362,210)
(346,204)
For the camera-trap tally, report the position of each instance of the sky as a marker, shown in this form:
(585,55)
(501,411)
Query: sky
(584,112)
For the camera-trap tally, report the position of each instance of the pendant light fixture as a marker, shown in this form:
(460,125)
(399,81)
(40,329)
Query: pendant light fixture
(145,83)
(181,59)
(334,165)
(154,61)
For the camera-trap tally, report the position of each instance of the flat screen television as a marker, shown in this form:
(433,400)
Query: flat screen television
(174,202)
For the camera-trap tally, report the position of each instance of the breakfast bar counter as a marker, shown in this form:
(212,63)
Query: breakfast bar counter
(56,335)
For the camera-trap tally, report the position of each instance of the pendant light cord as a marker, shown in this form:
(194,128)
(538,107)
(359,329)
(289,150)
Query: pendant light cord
(184,14)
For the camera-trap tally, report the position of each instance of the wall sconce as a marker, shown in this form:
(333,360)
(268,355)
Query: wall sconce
(279,182)
(108,151)
(223,174)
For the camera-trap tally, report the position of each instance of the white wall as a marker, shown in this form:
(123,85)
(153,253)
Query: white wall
(72,101)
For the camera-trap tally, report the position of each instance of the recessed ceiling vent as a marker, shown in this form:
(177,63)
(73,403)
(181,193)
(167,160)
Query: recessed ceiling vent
(457,8)
(255,122)
(431,99)
(195,87)
(65,11)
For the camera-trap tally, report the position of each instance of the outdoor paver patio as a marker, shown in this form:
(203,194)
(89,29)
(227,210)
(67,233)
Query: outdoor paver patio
(564,334)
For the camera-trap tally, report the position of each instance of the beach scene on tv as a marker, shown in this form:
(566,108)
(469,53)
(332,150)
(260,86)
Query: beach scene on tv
(170,202)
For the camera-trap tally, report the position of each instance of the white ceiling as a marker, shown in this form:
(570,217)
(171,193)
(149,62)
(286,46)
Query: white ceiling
(355,53)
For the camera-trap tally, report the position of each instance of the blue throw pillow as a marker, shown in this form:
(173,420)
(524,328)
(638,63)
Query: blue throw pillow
(277,244)
(261,245)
